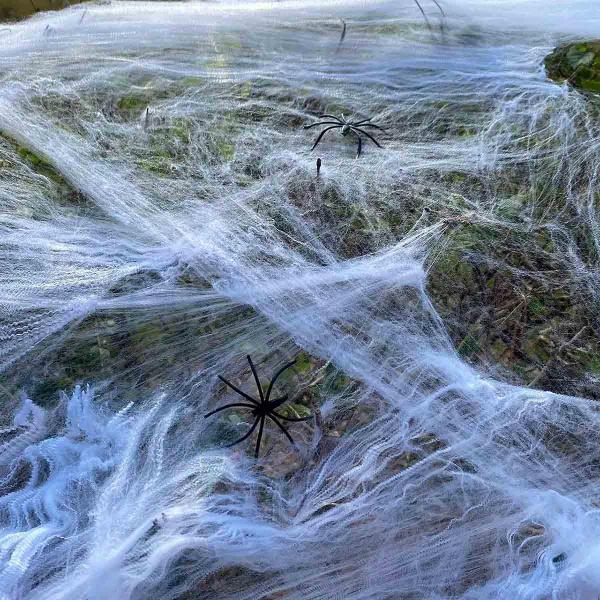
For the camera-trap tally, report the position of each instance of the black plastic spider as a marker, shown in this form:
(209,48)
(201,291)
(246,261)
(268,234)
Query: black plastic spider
(260,409)
(346,126)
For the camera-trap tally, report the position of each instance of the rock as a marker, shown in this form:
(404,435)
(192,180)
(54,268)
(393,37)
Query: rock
(578,64)
(13,10)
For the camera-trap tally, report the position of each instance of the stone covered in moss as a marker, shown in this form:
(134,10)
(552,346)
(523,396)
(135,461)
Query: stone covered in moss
(13,10)
(577,63)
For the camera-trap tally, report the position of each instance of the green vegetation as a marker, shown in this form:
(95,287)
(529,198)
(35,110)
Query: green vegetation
(41,165)
(577,63)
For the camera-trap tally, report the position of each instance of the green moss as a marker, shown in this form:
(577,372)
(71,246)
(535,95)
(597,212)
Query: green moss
(590,85)
(46,392)
(359,221)
(145,92)
(159,165)
(148,335)
(40,164)
(31,157)
(296,410)
(217,63)
(335,380)
(191,82)
(536,347)
(390,28)
(537,308)
(135,282)
(225,150)
(593,364)
(132,103)
(22,159)
(167,147)
(180,129)
(86,362)
(469,346)
(303,363)
(465,131)
(578,63)
(81,361)
(243,91)
(510,208)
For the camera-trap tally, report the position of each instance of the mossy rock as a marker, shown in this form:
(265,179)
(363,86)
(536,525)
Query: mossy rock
(13,10)
(577,63)
(27,167)
(41,165)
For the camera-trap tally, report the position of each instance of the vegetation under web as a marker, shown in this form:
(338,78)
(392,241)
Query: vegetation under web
(434,303)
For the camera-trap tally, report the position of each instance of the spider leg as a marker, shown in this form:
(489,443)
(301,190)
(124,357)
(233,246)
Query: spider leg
(273,404)
(370,137)
(330,117)
(359,143)
(236,389)
(257,380)
(361,122)
(292,419)
(322,134)
(424,15)
(233,405)
(439,7)
(370,125)
(259,438)
(246,435)
(321,123)
(276,376)
(285,431)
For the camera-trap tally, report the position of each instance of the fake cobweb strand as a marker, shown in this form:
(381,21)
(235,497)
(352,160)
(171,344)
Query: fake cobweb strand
(458,486)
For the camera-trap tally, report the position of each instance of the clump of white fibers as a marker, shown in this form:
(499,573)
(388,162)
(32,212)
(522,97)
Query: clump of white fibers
(161,218)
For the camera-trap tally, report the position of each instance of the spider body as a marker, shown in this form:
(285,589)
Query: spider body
(346,127)
(261,409)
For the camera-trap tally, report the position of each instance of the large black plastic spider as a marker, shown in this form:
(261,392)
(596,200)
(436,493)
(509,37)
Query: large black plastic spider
(260,409)
(346,126)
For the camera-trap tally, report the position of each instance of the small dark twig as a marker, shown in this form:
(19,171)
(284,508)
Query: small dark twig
(343,34)
(318,167)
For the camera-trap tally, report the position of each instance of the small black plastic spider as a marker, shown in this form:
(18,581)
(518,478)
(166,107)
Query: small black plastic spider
(346,126)
(260,409)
